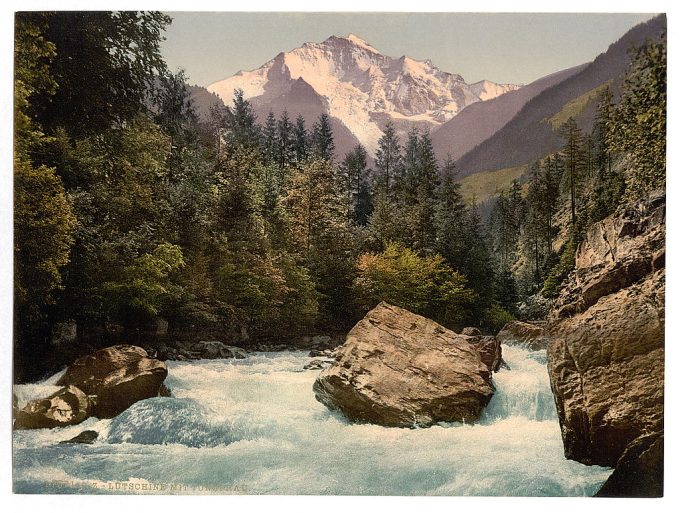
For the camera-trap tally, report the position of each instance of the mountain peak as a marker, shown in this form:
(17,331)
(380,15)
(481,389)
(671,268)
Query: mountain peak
(362,87)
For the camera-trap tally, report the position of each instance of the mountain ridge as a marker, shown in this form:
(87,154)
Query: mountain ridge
(362,88)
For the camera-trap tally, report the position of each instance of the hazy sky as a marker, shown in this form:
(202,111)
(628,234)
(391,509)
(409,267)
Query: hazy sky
(513,48)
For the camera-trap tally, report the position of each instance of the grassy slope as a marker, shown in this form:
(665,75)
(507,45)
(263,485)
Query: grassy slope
(576,106)
(486,184)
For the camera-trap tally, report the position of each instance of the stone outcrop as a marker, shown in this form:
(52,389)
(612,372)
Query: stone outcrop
(117,377)
(86,437)
(397,368)
(606,351)
(639,471)
(530,335)
(471,332)
(201,350)
(489,349)
(65,407)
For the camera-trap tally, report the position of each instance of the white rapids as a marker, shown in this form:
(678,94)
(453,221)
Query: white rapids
(253,426)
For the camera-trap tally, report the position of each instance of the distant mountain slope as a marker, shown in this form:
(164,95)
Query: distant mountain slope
(360,87)
(531,134)
(202,101)
(481,120)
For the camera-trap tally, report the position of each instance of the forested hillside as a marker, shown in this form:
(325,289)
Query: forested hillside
(132,211)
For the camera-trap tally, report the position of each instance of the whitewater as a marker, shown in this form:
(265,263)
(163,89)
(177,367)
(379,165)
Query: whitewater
(253,426)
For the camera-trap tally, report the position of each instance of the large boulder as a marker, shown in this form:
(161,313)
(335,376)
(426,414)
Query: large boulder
(66,407)
(606,350)
(530,335)
(639,471)
(397,368)
(117,377)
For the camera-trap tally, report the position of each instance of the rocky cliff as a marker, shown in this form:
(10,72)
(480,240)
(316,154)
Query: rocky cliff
(606,350)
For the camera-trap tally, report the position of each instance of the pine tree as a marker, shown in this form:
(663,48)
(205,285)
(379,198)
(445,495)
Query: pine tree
(300,140)
(352,178)
(286,142)
(573,155)
(638,127)
(451,217)
(388,159)
(323,146)
(242,123)
(270,143)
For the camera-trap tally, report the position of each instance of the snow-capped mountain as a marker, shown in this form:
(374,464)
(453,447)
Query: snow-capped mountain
(359,87)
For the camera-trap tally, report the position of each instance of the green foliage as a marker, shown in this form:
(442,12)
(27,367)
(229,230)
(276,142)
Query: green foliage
(104,65)
(144,286)
(44,222)
(495,318)
(43,234)
(560,272)
(638,124)
(424,285)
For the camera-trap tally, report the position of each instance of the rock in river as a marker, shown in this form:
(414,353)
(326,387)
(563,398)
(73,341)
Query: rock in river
(530,335)
(65,407)
(397,368)
(117,376)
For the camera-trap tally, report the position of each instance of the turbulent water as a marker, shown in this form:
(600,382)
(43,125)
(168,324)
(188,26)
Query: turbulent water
(253,426)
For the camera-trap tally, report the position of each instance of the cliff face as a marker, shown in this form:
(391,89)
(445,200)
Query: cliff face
(606,351)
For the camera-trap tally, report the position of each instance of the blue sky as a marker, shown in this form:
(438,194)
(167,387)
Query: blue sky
(511,48)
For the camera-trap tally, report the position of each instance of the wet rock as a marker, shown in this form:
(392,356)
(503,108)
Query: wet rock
(639,471)
(397,368)
(324,353)
(318,364)
(86,437)
(606,351)
(117,376)
(490,351)
(212,349)
(66,407)
(518,333)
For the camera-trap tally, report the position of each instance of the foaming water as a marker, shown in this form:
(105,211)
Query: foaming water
(253,426)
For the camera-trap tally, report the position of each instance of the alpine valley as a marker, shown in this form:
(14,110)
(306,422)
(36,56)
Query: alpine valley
(341,273)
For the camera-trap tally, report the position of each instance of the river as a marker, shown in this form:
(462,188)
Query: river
(253,427)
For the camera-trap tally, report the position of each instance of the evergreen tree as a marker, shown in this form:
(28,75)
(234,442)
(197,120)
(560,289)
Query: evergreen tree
(451,217)
(352,179)
(388,159)
(242,123)
(323,146)
(573,156)
(286,142)
(300,140)
(270,143)
(638,125)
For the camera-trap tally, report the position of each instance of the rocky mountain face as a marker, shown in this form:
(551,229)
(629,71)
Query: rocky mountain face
(397,368)
(606,350)
(359,87)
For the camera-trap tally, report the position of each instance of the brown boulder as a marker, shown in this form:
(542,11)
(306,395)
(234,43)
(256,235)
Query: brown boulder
(118,376)
(518,333)
(639,471)
(65,407)
(489,349)
(397,368)
(471,332)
